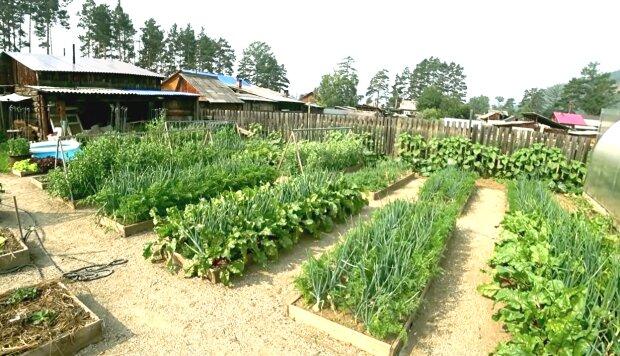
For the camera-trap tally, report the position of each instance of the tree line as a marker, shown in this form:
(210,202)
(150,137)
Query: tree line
(439,90)
(109,32)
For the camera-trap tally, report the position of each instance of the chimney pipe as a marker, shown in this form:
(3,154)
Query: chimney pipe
(239,82)
(74,54)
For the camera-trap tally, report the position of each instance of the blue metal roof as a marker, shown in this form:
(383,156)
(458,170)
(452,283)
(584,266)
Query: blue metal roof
(226,79)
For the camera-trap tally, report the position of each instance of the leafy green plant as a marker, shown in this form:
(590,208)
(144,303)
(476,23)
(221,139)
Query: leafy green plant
(379,175)
(18,147)
(26,166)
(556,275)
(42,317)
(20,295)
(379,270)
(534,162)
(223,233)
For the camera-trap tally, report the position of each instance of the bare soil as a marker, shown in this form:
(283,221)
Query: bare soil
(455,319)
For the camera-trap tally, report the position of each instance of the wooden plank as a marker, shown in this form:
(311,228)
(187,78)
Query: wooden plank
(126,230)
(394,186)
(15,259)
(37,183)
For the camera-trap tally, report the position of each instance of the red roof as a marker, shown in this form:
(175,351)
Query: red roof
(568,119)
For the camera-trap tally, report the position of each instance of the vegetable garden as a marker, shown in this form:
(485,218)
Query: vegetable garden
(220,201)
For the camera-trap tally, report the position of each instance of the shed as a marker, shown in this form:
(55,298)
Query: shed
(88,92)
(214,94)
(568,119)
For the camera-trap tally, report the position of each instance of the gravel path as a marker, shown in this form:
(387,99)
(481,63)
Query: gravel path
(456,319)
(146,310)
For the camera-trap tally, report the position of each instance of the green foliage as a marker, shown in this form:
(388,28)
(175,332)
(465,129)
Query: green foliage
(448,78)
(379,175)
(591,92)
(445,106)
(260,66)
(556,277)
(20,295)
(535,162)
(152,48)
(336,152)
(18,147)
(533,101)
(479,104)
(224,233)
(377,92)
(4,157)
(26,166)
(42,317)
(379,270)
(340,87)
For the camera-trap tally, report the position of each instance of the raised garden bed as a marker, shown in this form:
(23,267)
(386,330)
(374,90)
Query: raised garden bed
(39,181)
(46,319)
(126,230)
(394,186)
(13,252)
(24,174)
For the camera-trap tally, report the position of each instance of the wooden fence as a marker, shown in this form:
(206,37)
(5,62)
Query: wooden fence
(384,131)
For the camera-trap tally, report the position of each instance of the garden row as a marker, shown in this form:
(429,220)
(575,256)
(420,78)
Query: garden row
(378,274)
(127,176)
(557,277)
(536,162)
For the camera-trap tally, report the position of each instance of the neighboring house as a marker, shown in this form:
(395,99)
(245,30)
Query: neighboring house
(407,107)
(88,92)
(280,102)
(494,115)
(309,97)
(568,119)
(214,94)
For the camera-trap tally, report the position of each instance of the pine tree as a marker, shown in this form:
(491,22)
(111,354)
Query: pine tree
(47,14)
(259,66)
(224,57)
(101,27)
(123,34)
(377,92)
(12,13)
(152,51)
(446,77)
(171,58)
(340,87)
(86,36)
(207,48)
(187,48)
(399,89)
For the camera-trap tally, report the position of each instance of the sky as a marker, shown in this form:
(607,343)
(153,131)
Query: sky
(504,46)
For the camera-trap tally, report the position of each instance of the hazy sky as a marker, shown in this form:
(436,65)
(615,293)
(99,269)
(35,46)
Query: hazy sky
(505,46)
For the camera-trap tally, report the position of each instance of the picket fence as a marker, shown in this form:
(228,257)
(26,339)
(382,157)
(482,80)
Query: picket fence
(384,131)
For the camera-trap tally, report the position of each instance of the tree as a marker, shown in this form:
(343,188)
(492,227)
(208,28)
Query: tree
(591,92)
(479,104)
(47,14)
(435,104)
(123,33)
(446,77)
(12,14)
(86,23)
(553,99)
(340,87)
(205,56)
(533,101)
(399,88)
(101,28)
(378,88)
(187,48)
(510,106)
(224,59)
(259,65)
(171,57)
(152,50)
(430,98)
(499,103)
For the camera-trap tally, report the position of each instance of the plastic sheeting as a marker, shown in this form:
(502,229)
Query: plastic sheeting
(603,178)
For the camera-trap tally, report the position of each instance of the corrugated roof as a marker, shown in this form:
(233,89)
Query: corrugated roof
(224,78)
(250,97)
(50,63)
(267,93)
(568,118)
(108,91)
(210,88)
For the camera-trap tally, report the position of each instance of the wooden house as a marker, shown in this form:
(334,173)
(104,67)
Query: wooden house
(213,93)
(88,92)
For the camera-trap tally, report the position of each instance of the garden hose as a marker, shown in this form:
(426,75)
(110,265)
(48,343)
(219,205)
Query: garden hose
(83,274)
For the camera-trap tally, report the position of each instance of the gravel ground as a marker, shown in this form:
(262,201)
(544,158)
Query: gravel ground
(456,319)
(146,310)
